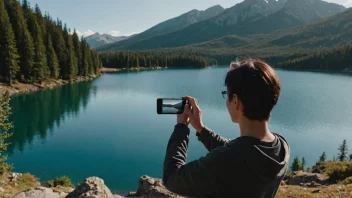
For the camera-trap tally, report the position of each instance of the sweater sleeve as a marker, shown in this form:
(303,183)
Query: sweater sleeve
(198,176)
(210,139)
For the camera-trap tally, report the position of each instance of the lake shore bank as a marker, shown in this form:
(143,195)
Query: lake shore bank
(113,70)
(22,88)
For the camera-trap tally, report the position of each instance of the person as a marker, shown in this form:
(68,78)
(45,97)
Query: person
(252,165)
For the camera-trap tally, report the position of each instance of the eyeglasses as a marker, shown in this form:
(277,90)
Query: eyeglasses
(224,94)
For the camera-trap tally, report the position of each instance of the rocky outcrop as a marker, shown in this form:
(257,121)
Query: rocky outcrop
(151,187)
(306,179)
(40,192)
(92,187)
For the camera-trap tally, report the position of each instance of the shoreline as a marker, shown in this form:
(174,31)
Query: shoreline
(114,70)
(18,88)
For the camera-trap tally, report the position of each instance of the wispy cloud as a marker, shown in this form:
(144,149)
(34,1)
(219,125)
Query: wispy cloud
(115,33)
(348,3)
(84,34)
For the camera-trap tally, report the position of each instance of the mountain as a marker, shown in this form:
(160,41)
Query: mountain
(177,23)
(181,22)
(330,32)
(243,19)
(97,40)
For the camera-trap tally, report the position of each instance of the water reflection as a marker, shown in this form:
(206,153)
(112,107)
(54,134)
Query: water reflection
(34,115)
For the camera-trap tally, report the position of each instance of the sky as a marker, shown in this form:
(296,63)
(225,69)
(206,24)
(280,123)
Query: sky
(125,17)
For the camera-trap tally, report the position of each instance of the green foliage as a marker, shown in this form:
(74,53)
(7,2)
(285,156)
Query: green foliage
(53,61)
(296,165)
(337,170)
(129,59)
(337,59)
(303,163)
(26,181)
(24,40)
(5,126)
(8,51)
(342,155)
(348,180)
(350,156)
(40,68)
(35,48)
(322,158)
(62,181)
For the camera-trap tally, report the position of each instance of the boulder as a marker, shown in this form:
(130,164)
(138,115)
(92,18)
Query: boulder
(150,187)
(92,187)
(40,192)
(301,178)
(14,176)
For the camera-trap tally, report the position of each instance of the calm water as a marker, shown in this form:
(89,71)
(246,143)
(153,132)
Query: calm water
(109,127)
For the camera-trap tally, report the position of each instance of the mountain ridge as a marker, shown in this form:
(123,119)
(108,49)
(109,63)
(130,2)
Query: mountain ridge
(257,17)
(97,39)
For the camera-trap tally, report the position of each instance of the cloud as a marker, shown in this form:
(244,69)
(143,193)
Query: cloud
(348,3)
(115,33)
(132,33)
(84,34)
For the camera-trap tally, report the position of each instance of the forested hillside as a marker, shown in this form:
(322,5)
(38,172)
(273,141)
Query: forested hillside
(338,59)
(36,48)
(154,59)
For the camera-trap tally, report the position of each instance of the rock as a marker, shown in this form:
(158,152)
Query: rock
(316,191)
(61,189)
(300,177)
(131,194)
(40,192)
(92,187)
(14,176)
(150,187)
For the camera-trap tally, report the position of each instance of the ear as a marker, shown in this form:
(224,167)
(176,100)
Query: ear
(237,102)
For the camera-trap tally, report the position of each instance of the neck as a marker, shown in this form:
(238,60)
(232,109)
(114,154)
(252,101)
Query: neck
(256,129)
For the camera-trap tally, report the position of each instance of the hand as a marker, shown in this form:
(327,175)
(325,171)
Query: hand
(195,114)
(183,118)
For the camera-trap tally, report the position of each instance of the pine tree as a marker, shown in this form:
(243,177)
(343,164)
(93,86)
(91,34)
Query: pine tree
(40,69)
(322,157)
(296,165)
(8,51)
(53,61)
(342,155)
(85,61)
(78,51)
(60,48)
(72,65)
(5,126)
(24,40)
(303,163)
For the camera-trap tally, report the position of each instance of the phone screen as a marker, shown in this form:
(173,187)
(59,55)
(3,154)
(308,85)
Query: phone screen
(170,106)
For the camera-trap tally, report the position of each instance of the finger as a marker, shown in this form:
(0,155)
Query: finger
(192,101)
(186,110)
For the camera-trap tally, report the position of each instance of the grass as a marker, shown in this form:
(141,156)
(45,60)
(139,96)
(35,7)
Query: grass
(24,182)
(62,181)
(337,171)
(331,191)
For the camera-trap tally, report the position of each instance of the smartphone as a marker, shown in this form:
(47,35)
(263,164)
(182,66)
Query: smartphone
(170,105)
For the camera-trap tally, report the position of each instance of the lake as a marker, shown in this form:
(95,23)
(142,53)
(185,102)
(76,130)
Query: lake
(109,128)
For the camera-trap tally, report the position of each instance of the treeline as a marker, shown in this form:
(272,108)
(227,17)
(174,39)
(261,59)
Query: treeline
(342,156)
(35,48)
(129,59)
(337,59)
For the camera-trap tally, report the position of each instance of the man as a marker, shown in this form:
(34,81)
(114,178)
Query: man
(254,164)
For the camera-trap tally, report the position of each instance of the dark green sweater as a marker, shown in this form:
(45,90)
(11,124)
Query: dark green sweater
(244,167)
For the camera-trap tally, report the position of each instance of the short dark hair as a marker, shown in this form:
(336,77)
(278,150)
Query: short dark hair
(256,85)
